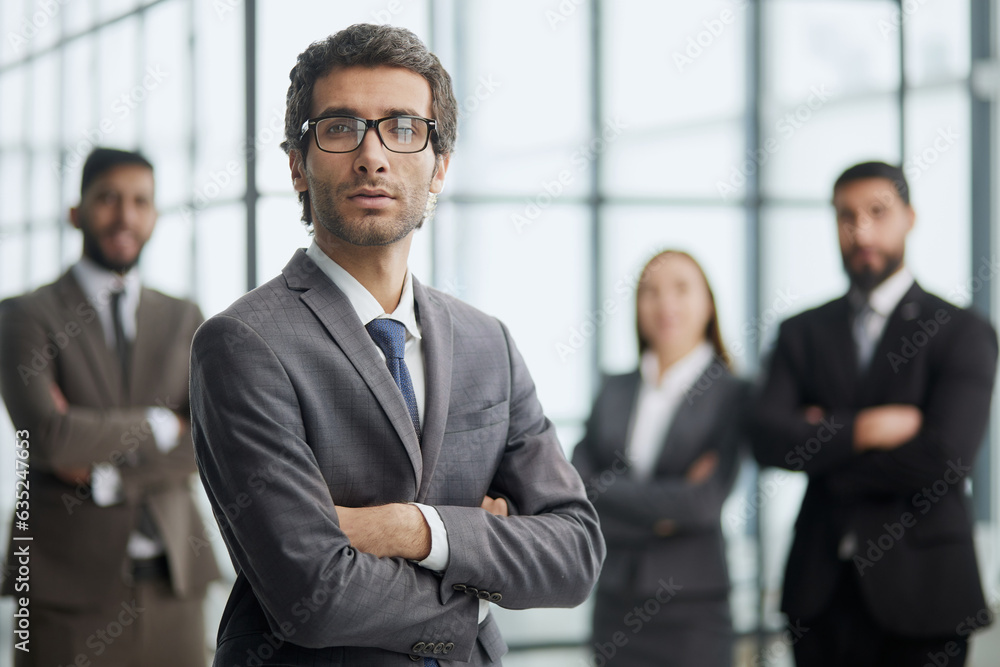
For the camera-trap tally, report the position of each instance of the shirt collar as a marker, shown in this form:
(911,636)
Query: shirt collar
(684,372)
(884,298)
(365,305)
(95,280)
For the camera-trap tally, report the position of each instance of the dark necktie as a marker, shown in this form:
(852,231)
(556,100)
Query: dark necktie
(123,350)
(122,343)
(390,336)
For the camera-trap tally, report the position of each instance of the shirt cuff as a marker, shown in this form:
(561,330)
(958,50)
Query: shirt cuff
(166,427)
(484,610)
(106,485)
(437,559)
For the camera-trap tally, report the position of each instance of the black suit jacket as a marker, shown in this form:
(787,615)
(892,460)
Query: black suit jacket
(693,553)
(906,508)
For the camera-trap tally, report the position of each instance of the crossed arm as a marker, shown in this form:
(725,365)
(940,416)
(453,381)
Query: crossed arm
(396,530)
(885,449)
(68,438)
(253,453)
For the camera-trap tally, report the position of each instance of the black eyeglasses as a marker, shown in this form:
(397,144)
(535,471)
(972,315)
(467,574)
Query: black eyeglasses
(343,134)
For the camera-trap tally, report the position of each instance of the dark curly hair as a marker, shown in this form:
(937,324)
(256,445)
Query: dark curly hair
(367,45)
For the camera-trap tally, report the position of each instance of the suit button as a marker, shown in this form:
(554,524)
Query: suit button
(448,647)
(472,591)
(459,587)
(438,648)
(484,595)
(496,597)
(414,658)
(418,647)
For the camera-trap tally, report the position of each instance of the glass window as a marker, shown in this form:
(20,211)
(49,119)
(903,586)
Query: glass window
(937,168)
(220,257)
(521,134)
(937,40)
(120,94)
(280,233)
(168,257)
(801,259)
(827,44)
(534,279)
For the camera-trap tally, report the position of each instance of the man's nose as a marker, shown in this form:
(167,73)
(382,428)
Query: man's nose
(372,157)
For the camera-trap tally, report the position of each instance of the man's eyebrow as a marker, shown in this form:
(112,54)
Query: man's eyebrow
(348,111)
(337,111)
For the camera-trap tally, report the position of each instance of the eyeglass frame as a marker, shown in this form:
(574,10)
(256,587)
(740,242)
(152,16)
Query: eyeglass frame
(369,125)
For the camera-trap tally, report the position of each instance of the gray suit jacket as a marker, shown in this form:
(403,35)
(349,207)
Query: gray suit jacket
(294,411)
(693,554)
(78,555)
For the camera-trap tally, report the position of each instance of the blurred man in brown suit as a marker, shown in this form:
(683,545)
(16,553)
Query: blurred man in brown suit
(94,367)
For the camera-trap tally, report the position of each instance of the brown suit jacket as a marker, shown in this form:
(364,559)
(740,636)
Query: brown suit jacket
(78,554)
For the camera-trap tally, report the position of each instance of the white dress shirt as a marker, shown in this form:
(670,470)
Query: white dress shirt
(659,399)
(99,285)
(368,308)
(881,302)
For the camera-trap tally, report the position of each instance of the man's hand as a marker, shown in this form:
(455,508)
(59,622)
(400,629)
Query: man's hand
(73,476)
(388,531)
(496,506)
(703,468)
(62,405)
(886,426)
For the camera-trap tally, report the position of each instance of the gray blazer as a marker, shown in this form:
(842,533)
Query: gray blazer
(693,554)
(293,411)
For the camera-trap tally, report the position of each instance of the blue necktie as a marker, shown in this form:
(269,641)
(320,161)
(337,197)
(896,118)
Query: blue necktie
(390,336)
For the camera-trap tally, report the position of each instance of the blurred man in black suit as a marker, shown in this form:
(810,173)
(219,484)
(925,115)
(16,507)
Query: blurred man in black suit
(882,397)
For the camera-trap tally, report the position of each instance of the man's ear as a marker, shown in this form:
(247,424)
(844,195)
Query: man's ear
(74,217)
(440,169)
(297,165)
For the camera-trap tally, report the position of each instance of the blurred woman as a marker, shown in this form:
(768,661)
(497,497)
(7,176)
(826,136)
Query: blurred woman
(659,458)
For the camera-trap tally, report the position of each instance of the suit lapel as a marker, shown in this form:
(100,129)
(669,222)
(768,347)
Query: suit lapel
(150,322)
(436,332)
(694,413)
(838,343)
(103,365)
(337,315)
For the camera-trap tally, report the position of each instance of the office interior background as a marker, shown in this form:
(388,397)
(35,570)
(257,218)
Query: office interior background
(591,135)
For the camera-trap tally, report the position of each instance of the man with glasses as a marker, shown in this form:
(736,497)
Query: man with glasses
(94,373)
(374,449)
